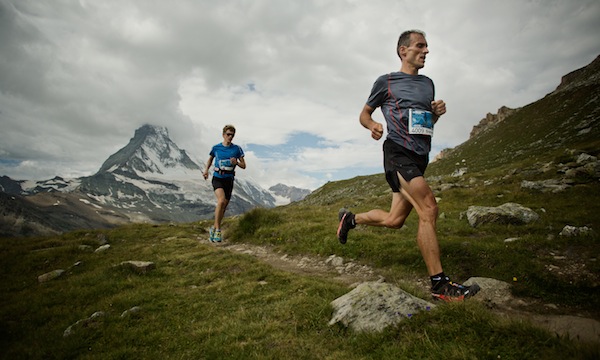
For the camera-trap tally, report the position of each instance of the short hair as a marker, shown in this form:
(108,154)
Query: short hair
(228,127)
(404,39)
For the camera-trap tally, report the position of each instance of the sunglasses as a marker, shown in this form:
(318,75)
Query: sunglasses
(230,134)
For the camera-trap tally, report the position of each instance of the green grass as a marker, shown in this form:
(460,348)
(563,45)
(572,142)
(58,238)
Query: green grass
(204,302)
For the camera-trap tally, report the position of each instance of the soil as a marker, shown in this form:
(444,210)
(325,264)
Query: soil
(566,323)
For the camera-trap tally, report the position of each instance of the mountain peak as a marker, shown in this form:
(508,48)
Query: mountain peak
(151,150)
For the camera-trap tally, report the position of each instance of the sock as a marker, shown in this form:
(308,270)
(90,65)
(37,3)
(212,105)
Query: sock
(439,280)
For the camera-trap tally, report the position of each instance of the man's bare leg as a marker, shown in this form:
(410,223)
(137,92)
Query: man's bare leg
(222,203)
(419,194)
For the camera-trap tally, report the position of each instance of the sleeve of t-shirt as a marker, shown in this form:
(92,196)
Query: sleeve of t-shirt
(378,92)
(240,152)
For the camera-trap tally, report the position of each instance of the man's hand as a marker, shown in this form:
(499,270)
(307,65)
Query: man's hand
(438,107)
(376,130)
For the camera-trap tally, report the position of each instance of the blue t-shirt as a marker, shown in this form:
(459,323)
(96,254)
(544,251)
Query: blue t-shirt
(397,94)
(222,161)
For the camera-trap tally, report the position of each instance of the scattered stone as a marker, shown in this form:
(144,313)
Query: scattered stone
(102,248)
(50,275)
(509,213)
(133,310)
(570,231)
(92,321)
(459,172)
(85,248)
(509,240)
(493,292)
(140,267)
(335,261)
(373,306)
(550,185)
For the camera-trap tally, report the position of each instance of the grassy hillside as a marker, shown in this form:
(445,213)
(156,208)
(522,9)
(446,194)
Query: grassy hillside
(205,302)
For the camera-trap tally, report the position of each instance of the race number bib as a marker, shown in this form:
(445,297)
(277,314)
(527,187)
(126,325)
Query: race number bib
(420,122)
(225,165)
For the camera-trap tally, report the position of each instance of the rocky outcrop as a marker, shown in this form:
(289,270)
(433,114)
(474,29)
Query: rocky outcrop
(492,120)
(586,75)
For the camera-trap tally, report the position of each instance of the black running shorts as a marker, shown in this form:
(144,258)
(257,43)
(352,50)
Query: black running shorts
(398,159)
(223,183)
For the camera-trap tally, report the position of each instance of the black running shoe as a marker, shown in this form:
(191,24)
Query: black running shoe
(452,291)
(346,224)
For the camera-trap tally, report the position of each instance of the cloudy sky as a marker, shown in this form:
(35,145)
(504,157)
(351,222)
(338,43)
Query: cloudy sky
(77,78)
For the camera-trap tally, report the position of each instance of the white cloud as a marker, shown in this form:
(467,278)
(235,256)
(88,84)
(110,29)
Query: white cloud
(78,77)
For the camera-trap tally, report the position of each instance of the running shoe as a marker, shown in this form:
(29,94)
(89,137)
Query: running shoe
(452,291)
(217,236)
(346,223)
(211,232)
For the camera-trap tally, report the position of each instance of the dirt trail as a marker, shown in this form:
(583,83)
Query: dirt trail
(352,273)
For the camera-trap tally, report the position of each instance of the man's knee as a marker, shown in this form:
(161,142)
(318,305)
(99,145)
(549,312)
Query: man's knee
(430,212)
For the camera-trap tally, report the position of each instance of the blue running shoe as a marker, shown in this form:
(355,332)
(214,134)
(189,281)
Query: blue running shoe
(211,232)
(217,237)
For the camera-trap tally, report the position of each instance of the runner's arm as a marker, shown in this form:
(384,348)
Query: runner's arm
(208,165)
(241,162)
(366,120)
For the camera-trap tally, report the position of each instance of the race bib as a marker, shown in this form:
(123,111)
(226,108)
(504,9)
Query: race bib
(225,165)
(420,122)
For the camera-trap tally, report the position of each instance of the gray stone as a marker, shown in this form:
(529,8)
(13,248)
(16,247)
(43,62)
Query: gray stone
(92,321)
(140,267)
(102,248)
(373,306)
(509,213)
(570,231)
(50,275)
(493,292)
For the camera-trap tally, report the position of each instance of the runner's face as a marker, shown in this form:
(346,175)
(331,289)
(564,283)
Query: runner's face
(228,137)
(417,51)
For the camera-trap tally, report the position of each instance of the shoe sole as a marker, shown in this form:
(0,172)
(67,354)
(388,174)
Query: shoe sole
(342,241)
(473,289)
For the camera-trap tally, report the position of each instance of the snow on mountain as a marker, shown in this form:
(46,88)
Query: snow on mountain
(149,180)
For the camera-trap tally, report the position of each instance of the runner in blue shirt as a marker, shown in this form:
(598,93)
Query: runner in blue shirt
(227,156)
(407,101)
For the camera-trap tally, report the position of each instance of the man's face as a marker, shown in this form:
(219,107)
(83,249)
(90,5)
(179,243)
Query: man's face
(415,53)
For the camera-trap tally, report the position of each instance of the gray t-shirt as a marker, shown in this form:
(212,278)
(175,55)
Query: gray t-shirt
(397,94)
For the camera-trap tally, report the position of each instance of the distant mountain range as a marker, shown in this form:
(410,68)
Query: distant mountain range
(149,180)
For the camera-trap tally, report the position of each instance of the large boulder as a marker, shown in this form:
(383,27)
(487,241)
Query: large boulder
(509,213)
(373,306)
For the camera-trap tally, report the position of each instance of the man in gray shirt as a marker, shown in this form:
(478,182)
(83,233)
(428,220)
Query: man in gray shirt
(408,104)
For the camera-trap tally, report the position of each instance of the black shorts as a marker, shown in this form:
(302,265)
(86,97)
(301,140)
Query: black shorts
(223,183)
(398,159)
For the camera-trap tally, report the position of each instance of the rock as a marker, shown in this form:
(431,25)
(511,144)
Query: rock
(459,172)
(50,275)
(373,306)
(335,261)
(493,292)
(569,231)
(550,185)
(140,267)
(509,213)
(102,248)
(133,310)
(92,321)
